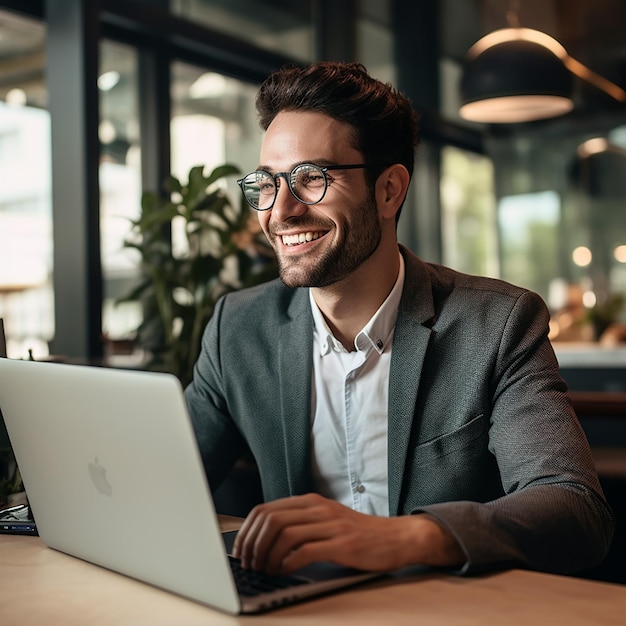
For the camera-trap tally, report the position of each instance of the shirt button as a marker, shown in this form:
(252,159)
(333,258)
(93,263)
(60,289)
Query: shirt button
(360,488)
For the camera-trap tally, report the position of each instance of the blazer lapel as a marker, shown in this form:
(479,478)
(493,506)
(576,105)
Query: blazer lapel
(410,341)
(295,345)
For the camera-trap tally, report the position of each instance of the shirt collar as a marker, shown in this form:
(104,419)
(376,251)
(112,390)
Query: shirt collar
(376,333)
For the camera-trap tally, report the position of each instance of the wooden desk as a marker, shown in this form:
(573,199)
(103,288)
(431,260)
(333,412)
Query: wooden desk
(610,462)
(42,586)
(599,403)
(601,406)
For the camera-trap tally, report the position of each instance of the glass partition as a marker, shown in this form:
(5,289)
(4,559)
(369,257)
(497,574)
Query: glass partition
(26,296)
(285,27)
(120,187)
(213,122)
(562,224)
(468,213)
(374,39)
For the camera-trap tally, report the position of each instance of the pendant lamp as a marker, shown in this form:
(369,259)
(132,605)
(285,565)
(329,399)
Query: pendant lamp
(520,75)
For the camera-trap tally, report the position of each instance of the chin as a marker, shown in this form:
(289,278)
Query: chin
(305,271)
(296,277)
(293,279)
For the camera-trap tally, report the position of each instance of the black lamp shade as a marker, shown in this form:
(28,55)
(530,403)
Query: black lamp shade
(515,81)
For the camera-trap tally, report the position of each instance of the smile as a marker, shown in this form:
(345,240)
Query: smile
(300,238)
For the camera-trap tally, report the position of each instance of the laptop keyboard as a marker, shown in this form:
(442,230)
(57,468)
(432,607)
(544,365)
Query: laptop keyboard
(251,583)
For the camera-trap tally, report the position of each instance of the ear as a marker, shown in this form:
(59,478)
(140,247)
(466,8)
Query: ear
(391,190)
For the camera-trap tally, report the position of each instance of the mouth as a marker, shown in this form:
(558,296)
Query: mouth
(297,239)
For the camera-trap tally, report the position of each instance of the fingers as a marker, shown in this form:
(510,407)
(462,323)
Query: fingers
(275,529)
(285,535)
(327,547)
(270,537)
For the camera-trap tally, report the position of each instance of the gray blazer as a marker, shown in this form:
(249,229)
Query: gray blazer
(482,434)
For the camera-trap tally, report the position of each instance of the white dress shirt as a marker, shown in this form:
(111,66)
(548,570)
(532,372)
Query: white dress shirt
(349,409)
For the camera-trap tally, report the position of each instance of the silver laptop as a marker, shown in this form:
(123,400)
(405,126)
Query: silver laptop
(113,475)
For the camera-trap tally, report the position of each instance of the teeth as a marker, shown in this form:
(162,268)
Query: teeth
(294,240)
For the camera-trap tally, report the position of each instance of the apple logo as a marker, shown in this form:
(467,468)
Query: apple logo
(99,479)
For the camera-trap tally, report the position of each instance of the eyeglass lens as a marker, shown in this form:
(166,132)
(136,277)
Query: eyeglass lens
(307,182)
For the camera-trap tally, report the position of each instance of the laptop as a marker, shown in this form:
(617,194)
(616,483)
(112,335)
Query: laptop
(111,467)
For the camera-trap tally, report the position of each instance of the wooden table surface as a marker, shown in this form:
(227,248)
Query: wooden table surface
(39,585)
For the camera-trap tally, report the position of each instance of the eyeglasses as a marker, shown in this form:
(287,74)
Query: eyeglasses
(307,182)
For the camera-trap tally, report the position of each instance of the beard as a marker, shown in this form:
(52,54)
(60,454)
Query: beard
(362,235)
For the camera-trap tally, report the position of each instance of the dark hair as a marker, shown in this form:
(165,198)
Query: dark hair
(383,120)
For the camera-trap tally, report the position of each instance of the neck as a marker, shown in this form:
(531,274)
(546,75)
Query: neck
(347,306)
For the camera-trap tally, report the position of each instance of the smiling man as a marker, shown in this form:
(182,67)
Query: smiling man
(399,412)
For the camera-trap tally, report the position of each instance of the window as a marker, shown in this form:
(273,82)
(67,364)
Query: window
(279,27)
(468,213)
(560,213)
(213,122)
(375,39)
(120,185)
(26,297)
(529,231)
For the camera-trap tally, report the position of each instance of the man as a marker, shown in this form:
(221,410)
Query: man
(399,412)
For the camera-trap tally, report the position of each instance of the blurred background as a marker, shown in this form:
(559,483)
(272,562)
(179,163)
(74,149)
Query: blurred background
(100,101)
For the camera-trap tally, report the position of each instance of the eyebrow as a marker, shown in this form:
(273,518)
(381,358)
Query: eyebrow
(318,162)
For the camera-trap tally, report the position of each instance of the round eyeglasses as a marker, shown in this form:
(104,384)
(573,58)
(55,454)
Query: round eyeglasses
(307,182)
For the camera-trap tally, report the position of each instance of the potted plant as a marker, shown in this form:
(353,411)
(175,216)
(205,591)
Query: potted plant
(223,249)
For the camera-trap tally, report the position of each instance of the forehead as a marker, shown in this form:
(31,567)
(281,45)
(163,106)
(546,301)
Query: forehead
(297,136)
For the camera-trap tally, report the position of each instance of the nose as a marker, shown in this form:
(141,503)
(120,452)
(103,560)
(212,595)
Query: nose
(286,205)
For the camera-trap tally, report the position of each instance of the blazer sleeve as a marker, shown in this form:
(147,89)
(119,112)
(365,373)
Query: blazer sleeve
(219,441)
(553,515)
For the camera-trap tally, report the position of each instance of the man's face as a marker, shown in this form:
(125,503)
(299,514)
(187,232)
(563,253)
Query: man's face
(318,245)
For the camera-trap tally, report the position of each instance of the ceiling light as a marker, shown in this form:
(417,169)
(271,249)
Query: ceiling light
(599,145)
(108,80)
(521,74)
(588,148)
(582,256)
(16,97)
(620,254)
(208,85)
(106,132)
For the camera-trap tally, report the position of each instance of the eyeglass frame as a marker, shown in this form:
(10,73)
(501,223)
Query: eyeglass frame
(287,177)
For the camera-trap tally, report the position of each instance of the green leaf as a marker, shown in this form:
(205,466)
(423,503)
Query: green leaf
(221,171)
(172,185)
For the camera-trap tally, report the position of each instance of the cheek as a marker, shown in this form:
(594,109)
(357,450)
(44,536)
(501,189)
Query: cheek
(264,219)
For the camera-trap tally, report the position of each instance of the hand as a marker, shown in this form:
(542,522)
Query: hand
(285,535)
